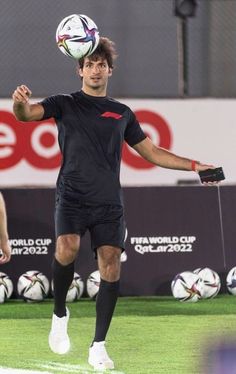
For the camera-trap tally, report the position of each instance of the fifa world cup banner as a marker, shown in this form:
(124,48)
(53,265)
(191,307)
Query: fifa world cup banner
(32,235)
(30,156)
(170,230)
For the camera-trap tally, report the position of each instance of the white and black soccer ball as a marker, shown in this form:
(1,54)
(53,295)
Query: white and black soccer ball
(211,282)
(76,289)
(187,287)
(93,284)
(6,287)
(231,281)
(77,36)
(123,257)
(33,286)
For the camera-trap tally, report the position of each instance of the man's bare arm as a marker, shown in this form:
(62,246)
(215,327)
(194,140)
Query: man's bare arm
(162,157)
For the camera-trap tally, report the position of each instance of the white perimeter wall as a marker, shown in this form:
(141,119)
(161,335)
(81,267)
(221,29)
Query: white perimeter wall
(203,129)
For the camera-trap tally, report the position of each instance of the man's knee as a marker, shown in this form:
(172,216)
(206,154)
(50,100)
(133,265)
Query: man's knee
(109,263)
(67,247)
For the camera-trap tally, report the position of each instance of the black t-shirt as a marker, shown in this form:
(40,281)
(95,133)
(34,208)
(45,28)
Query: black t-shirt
(91,131)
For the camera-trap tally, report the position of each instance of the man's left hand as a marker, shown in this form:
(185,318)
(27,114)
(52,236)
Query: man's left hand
(6,251)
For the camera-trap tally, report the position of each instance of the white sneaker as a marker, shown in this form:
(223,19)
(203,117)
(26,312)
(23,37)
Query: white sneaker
(58,339)
(98,357)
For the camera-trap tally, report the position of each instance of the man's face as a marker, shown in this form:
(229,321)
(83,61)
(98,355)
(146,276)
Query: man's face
(95,74)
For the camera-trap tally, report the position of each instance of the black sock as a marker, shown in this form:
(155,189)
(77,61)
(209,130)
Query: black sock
(62,279)
(105,305)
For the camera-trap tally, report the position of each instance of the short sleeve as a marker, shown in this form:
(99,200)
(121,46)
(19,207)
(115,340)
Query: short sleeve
(133,132)
(52,107)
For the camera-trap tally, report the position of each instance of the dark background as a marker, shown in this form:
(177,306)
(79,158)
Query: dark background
(150,211)
(146,33)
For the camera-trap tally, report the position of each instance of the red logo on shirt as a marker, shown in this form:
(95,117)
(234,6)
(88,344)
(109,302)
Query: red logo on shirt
(111,115)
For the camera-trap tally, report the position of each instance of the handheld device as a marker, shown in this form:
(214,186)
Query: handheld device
(212,175)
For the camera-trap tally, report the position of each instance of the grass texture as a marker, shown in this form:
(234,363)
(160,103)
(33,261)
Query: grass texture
(148,335)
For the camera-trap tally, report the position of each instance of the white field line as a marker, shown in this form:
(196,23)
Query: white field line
(54,367)
(79,369)
(21,371)
(68,368)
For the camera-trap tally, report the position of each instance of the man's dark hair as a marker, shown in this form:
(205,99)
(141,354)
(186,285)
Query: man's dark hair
(105,50)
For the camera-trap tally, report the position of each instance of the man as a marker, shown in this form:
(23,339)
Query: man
(92,128)
(4,243)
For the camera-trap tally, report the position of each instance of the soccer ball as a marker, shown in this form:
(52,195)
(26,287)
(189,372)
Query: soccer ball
(93,283)
(187,286)
(33,286)
(231,281)
(123,257)
(77,36)
(6,287)
(76,289)
(211,282)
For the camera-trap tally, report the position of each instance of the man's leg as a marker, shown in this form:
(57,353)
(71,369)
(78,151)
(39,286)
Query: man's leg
(67,247)
(109,267)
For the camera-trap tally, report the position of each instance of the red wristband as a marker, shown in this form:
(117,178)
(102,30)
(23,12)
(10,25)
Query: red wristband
(193,165)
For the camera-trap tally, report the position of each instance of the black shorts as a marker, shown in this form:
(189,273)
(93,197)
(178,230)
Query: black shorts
(105,223)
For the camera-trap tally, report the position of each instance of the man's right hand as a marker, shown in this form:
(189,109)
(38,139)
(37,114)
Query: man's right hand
(21,94)
(23,110)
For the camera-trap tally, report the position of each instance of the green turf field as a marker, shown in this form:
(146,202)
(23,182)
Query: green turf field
(148,335)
